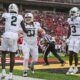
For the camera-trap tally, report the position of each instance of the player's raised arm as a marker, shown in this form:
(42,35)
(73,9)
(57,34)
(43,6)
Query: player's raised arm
(23,27)
(41,31)
(2,18)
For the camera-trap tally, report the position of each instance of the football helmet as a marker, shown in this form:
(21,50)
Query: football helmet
(74,12)
(13,8)
(29,18)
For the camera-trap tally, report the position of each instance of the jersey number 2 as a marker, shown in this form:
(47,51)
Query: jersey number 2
(74,29)
(14,19)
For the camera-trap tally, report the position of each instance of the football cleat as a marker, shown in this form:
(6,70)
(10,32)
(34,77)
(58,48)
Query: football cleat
(46,64)
(69,71)
(75,70)
(3,75)
(63,63)
(10,76)
(25,74)
(32,72)
(32,68)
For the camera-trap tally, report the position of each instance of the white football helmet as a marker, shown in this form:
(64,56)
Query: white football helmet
(74,12)
(29,17)
(13,8)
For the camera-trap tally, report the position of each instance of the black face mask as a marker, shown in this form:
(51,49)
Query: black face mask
(72,13)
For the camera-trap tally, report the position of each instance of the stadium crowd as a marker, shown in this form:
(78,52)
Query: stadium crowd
(55,23)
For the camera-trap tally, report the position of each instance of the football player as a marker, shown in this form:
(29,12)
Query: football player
(12,23)
(30,42)
(73,39)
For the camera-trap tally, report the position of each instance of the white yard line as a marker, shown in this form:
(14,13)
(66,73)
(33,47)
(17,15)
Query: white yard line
(15,77)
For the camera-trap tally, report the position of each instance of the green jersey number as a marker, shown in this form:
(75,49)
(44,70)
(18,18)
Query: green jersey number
(31,33)
(74,29)
(14,20)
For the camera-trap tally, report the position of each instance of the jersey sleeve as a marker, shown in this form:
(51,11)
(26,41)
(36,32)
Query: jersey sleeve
(79,19)
(68,20)
(21,18)
(4,15)
(38,25)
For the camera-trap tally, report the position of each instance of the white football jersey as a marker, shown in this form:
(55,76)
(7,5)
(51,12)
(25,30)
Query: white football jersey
(31,36)
(75,26)
(12,24)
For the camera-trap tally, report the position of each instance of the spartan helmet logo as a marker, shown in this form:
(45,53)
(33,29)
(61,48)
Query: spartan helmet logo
(11,6)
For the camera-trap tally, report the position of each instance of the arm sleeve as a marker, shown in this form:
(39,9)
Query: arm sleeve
(68,20)
(4,15)
(21,18)
(38,25)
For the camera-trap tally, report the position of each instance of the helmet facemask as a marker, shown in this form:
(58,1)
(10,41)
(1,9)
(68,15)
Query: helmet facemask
(74,12)
(29,18)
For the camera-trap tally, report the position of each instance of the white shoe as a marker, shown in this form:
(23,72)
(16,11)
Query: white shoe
(32,68)
(3,75)
(69,71)
(24,74)
(10,76)
(75,70)
(32,72)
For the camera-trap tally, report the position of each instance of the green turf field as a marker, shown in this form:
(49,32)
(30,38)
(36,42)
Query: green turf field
(49,74)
